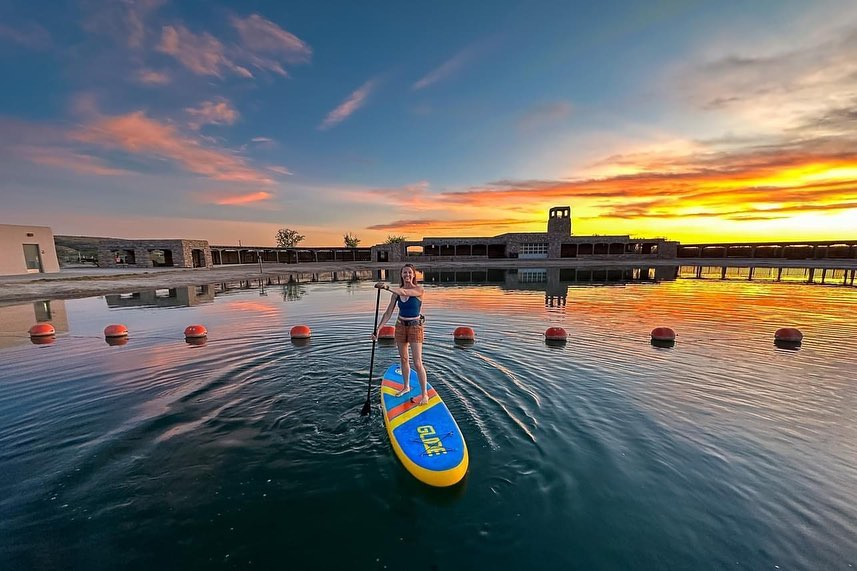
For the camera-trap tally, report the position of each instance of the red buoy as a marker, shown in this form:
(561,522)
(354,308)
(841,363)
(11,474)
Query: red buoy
(556,334)
(387,332)
(788,335)
(195,332)
(116,341)
(464,334)
(300,332)
(663,334)
(43,340)
(42,330)
(117,330)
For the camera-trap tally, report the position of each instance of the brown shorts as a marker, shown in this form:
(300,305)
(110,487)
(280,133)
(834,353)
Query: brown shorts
(410,333)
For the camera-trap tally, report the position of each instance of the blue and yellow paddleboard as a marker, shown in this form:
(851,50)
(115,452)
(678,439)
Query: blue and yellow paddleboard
(425,438)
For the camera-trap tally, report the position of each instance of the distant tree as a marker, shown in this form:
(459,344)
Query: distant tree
(395,239)
(288,238)
(351,240)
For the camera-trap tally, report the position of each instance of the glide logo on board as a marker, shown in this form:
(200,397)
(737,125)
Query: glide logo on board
(430,440)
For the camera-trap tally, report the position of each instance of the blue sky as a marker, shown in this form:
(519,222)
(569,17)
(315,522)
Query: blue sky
(228,120)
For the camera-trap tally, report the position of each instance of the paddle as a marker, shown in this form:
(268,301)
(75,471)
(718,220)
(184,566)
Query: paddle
(366,406)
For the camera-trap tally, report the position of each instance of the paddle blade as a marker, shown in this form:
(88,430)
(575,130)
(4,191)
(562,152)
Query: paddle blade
(367,408)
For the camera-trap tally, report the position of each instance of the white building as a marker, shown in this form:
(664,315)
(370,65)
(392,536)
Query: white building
(26,250)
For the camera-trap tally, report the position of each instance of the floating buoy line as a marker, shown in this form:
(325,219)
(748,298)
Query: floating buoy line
(118,334)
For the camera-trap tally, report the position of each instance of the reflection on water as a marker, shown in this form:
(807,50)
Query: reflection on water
(168,297)
(822,276)
(16,320)
(553,281)
(722,451)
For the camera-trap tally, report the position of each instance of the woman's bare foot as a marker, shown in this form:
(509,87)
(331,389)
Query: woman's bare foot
(424,399)
(404,391)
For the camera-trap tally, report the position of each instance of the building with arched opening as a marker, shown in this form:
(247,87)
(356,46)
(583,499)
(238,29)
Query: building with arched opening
(554,244)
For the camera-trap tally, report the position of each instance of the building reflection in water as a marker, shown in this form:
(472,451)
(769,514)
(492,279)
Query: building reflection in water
(553,281)
(16,320)
(168,297)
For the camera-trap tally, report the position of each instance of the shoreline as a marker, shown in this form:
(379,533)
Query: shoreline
(79,282)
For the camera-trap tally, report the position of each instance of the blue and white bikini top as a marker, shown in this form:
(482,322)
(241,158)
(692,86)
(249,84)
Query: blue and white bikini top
(409,309)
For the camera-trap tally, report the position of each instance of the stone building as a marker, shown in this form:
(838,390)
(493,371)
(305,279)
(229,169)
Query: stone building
(557,243)
(118,253)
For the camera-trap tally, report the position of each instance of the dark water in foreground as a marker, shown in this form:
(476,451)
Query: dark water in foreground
(607,453)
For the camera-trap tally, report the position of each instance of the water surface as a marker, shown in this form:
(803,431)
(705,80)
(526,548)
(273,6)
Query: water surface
(605,453)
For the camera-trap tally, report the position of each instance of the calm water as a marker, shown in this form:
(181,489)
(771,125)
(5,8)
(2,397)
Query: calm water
(606,453)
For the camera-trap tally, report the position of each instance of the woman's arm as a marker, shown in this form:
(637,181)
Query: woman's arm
(408,291)
(387,313)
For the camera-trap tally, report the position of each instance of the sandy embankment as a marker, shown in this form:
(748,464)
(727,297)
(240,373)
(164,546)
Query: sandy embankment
(84,282)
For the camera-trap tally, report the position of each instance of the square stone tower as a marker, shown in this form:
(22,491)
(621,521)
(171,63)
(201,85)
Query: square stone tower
(559,221)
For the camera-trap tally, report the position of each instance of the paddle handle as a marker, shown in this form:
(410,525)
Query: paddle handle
(374,336)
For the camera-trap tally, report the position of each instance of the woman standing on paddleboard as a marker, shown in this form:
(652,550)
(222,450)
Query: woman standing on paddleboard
(409,326)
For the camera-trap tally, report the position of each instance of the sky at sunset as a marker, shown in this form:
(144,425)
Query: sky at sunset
(224,121)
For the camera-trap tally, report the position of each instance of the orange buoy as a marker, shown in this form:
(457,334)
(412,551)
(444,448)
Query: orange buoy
(117,341)
(464,334)
(663,334)
(663,337)
(788,335)
(556,334)
(195,332)
(387,332)
(42,330)
(300,332)
(117,330)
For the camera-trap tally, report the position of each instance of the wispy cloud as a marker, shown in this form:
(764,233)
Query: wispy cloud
(30,35)
(66,159)
(262,45)
(138,134)
(152,77)
(219,112)
(135,17)
(202,54)
(774,88)
(451,66)
(243,199)
(354,102)
(545,114)
(127,22)
(437,224)
(47,145)
(279,170)
(263,42)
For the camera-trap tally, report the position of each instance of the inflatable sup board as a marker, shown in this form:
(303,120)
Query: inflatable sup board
(426,438)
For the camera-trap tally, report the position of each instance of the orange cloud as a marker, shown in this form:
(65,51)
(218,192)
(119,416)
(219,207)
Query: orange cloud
(719,183)
(138,134)
(220,112)
(451,225)
(244,198)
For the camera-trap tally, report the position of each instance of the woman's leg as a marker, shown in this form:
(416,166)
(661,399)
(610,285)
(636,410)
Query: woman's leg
(406,368)
(417,349)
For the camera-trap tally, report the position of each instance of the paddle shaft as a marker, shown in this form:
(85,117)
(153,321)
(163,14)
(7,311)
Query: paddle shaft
(367,405)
